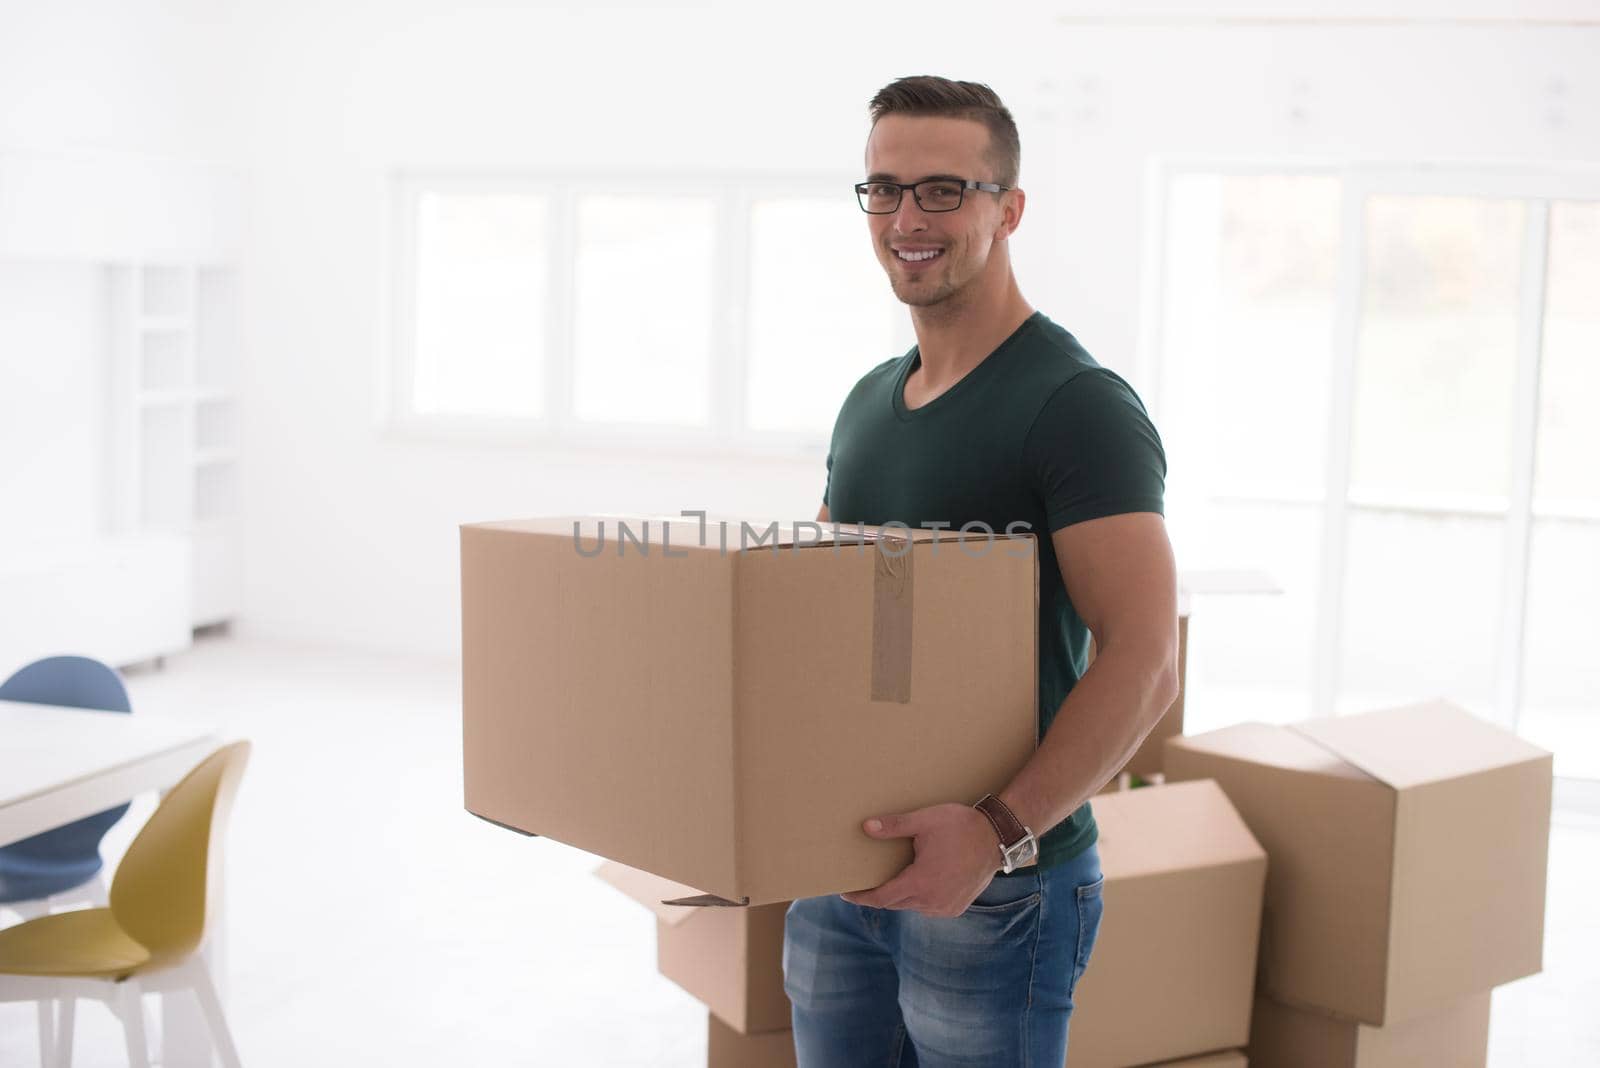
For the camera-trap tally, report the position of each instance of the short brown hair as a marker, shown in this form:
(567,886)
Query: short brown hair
(930,95)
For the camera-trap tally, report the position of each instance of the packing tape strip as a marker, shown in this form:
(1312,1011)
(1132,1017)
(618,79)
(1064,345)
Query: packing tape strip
(891,621)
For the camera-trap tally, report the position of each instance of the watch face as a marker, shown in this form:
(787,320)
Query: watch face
(1023,852)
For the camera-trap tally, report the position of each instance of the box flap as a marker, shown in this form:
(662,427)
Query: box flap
(806,533)
(615,535)
(1278,747)
(1415,744)
(707,901)
(674,534)
(1169,828)
(651,891)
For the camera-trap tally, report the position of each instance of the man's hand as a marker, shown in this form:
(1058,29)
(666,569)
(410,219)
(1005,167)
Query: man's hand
(957,855)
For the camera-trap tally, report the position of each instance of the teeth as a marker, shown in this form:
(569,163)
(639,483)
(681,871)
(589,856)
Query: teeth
(914,257)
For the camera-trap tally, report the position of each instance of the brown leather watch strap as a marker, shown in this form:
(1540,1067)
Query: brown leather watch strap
(1006,824)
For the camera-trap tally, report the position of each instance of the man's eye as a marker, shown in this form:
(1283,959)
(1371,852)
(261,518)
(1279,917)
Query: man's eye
(944,189)
(882,190)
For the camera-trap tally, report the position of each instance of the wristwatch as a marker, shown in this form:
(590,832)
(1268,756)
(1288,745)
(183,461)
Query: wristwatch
(1018,846)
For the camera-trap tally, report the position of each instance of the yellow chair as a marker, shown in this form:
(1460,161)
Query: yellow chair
(147,940)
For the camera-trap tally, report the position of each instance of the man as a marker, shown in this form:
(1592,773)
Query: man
(996,416)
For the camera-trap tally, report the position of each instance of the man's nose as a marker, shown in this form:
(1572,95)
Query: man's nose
(909,217)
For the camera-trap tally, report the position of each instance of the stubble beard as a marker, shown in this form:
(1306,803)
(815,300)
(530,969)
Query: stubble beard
(921,292)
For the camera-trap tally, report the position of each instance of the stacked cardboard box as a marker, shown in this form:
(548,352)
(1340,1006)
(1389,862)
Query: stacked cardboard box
(727,1048)
(1232,1058)
(1184,881)
(1456,1037)
(730,959)
(673,703)
(725,715)
(1173,970)
(1407,877)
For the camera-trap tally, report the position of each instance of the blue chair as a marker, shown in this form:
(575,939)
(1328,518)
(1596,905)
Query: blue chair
(69,856)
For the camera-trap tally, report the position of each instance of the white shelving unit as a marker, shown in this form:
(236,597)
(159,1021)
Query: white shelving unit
(166,557)
(174,465)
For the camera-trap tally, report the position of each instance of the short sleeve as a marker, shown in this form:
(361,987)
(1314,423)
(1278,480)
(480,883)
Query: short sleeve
(1092,451)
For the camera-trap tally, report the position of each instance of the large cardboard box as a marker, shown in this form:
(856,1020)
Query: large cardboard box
(1173,969)
(1455,1037)
(726,715)
(730,959)
(1408,851)
(727,1048)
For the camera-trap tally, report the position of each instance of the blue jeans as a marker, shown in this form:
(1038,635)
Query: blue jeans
(891,988)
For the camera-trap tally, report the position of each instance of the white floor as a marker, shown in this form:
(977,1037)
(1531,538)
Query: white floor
(371,921)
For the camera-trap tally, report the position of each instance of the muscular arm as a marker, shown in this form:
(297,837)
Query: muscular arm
(1120,575)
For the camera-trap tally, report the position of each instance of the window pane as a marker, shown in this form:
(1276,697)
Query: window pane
(821,311)
(1421,610)
(481,291)
(1250,284)
(1560,685)
(1249,287)
(644,292)
(1436,363)
(1568,473)
(1251,656)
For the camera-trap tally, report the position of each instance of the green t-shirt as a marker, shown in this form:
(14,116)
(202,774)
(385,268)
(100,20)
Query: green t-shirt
(1038,433)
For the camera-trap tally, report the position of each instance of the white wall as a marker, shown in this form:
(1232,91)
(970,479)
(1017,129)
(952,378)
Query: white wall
(53,402)
(90,79)
(351,534)
(143,76)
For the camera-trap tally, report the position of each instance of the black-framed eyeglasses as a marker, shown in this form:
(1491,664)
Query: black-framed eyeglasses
(931,194)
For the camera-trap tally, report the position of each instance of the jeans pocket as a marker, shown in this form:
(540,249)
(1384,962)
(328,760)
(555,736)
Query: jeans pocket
(1006,915)
(1091,906)
(1004,906)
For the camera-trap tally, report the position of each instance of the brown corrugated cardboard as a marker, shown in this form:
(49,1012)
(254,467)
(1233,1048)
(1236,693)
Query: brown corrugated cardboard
(1146,760)
(730,959)
(1408,851)
(1232,1058)
(1173,969)
(727,1048)
(728,718)
(1456,1037)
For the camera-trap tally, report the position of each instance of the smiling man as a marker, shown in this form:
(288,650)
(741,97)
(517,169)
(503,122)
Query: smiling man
(998,416)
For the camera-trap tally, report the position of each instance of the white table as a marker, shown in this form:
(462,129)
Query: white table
(61,764)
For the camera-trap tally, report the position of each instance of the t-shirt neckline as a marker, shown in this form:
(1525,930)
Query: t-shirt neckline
(984,367)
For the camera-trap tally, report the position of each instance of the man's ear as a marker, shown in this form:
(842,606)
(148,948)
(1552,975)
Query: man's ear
(1011,215)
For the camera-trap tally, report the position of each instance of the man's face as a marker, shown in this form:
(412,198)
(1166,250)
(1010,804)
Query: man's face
(907,149)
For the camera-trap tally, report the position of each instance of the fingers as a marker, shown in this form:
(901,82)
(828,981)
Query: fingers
(899,825)
(869,899)
(897,893)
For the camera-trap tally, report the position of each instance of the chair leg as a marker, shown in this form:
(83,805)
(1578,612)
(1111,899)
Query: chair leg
(66,1018)
(47,1032)
(130,1006)
(211,1005)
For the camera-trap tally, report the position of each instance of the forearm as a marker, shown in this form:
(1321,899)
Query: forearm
(1096,731)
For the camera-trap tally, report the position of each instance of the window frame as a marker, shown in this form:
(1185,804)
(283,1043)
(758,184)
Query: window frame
(1537,186)
(727,428)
